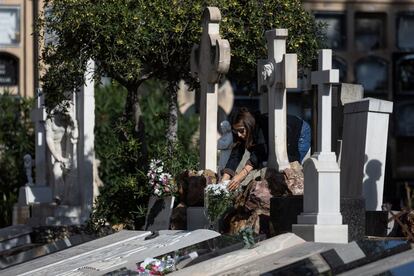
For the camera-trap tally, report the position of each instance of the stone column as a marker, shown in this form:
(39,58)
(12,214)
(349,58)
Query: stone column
(209,61)
(276,73)
(364,150)
(86,148)
(321,220)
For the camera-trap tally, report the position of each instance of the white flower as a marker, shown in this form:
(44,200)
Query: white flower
(150,261)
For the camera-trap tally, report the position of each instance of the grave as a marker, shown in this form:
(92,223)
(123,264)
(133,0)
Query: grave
(209,61)
(62,196)
(277,73)
(321,220)
(233,260)
(120,250)
(341,95)
(363,159)
(364,150)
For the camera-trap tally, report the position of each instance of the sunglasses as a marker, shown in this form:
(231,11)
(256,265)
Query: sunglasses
(240,130)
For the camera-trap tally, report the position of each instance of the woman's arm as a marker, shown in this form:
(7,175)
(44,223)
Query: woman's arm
(238,178)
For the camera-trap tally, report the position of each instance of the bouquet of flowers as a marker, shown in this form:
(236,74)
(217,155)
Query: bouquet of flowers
(151,266)
(161,183)
(216,200)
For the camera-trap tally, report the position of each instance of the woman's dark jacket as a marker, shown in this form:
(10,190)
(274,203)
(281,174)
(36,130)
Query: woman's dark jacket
(259,150)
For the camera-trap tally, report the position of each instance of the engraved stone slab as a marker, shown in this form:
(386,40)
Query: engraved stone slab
(123,249)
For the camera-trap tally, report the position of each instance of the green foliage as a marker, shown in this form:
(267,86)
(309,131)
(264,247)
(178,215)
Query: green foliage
(16,140)
(123,197)
(133,40)
(244,25)
(155,116)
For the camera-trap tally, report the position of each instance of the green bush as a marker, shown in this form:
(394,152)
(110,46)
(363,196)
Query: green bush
(16,140)
(124,197)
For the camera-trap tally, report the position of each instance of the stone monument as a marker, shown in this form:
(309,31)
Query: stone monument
(64,162)
(364,150)
(209,61)
(277,73)
(321,220)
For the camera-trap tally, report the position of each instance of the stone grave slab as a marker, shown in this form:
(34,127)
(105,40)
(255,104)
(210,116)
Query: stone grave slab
(235,259)
(341,258)
(159,213)
(309,259)
(32,251)
(123,249)
(13,236)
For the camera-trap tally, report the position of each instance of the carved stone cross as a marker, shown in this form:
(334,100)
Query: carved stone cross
(277,73)
(38,116)
(321,220)
(324,78)
(209,61)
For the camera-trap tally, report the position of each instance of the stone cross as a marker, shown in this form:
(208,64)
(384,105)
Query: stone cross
(277,73)
(209,61)
(321,220)
(324,78)
(38,116)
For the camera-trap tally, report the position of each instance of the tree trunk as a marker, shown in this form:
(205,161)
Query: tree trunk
(133,112)
(172,90)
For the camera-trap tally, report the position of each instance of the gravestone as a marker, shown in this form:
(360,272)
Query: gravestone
(321,220)
(231,261)
(277,73)
(104,255)
(159,213)
(209,61)
(364,150)
(64,161)
(345,93)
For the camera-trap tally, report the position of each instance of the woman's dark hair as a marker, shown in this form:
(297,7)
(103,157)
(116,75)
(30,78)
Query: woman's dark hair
(245,117)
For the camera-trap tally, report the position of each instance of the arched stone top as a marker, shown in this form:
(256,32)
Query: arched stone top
(212,15)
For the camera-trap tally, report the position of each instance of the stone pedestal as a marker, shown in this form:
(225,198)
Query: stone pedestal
(364,150)
(34,194)
(321,220)
(21,214)
(322,233)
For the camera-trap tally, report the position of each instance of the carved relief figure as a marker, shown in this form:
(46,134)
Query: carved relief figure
(61,138)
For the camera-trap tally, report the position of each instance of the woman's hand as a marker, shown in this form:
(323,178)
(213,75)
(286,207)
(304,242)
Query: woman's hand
(234,184)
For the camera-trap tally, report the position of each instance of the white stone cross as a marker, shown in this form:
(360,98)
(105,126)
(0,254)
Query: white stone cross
(38,116)
(324,78)
(277,73)
(209,61)
(321,220)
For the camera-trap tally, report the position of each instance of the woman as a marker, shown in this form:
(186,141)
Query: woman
(251,133)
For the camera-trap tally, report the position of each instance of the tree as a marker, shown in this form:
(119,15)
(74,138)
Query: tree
(134,40)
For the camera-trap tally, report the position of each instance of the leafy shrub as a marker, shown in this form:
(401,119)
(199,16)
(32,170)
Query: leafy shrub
(16,140)
(124,197)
